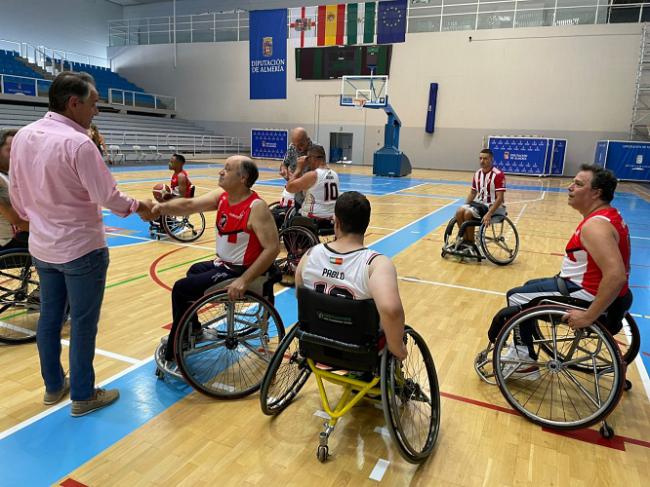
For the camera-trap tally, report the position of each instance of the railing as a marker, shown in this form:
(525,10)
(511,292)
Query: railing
(22,85)
(168,143)
(137,99)
(423,16)
(39,54)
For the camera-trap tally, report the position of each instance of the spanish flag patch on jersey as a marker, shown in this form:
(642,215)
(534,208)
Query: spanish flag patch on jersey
(336,260)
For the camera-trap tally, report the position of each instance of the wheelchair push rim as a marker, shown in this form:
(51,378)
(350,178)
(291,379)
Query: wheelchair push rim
(287,374)
(550,390)
(19,297)
(411,399)
(227,357)
(295,241)
(184,228)
(499,241)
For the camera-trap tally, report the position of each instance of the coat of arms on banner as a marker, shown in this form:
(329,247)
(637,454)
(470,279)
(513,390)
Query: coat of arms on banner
(267,46)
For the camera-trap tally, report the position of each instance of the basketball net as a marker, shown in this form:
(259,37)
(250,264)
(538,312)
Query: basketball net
(358,103)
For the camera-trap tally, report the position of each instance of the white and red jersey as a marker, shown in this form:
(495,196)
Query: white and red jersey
(321,197)
(236,244)
(288,199)
(174,184)
(487,184)
(339,274)
(579,267)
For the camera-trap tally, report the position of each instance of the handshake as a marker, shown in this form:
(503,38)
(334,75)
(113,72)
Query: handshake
(148,210)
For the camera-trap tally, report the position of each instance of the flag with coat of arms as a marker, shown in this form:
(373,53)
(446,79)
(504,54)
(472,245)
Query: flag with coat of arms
(302,26)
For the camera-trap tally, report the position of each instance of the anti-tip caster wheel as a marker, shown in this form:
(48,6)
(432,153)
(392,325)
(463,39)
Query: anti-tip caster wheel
(606,432)
(627,386)
(322,453)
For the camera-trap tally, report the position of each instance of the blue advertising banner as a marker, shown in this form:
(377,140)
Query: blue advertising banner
(521,155)
(269,143)
(268,54)
(601,152)
(557,159)
(19,85)
(627,160)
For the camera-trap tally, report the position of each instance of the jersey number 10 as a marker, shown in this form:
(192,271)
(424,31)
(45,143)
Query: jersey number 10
(331,191)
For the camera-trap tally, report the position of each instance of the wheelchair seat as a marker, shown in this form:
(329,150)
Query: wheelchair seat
(335,335)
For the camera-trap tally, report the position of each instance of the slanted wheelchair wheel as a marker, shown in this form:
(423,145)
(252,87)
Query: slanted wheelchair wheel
(20,302)
(223,347)
(295,241)
(285,376)
(499,241)
(411,399)
(576,379)
(184,228)
(449,232)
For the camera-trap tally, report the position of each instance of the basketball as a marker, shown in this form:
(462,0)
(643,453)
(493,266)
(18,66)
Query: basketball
(161,192)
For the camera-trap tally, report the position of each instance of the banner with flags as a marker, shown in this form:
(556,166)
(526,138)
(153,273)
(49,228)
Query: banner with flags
(391,22)
(330,25)
(302,26)
(361,23)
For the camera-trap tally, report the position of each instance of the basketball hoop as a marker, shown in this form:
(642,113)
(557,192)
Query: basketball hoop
(358,103)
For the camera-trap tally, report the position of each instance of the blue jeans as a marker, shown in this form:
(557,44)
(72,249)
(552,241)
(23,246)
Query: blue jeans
(80,283)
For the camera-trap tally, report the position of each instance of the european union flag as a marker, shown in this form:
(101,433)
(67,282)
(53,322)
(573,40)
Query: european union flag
(391,22)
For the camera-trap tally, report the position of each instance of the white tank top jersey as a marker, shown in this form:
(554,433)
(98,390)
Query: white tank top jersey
(339,274)
(321,197)
(6,228)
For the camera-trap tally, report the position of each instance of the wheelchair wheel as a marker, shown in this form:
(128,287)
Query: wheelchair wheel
(285,376)
(448,237)
(20,303)
(573,379)
(223,347)
(628,340)
(499,241)
(411,399)
(294,242)
(184,228)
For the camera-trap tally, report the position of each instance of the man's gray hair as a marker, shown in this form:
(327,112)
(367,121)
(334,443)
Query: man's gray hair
(66,85)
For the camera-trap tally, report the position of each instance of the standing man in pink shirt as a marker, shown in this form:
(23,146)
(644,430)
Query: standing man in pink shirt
(59,183)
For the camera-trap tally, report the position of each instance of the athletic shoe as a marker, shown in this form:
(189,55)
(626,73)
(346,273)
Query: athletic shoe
(53,397)
(100,399)
(519,370)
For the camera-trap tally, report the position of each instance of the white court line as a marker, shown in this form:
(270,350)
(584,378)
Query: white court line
(431,196)
(105,353)
(521,212)
(61,405)
(9,326)
(168,242)
(643,374)
(405,189)
(528,201)
(380,469)
(455,286)
(321,414)
(641,238)
(382,430)
(383,228)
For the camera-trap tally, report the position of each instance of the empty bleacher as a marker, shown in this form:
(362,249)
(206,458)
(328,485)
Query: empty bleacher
(16,75)
(139,138)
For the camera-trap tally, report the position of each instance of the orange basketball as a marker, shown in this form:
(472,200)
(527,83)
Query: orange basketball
(161,192)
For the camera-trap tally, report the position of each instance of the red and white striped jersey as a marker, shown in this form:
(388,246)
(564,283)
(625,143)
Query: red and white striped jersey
(236,244)
(579,267)
(487,184)
(338,274)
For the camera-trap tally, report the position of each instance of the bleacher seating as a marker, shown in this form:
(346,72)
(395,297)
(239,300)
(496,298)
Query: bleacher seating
(15,73)
(105,79)
(135,138)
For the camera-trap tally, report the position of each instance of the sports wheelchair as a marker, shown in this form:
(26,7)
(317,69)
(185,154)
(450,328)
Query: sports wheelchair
(222,347)
(297,235)
(498,241)
(568,379)
(181,228)
(336,335)
(20,302)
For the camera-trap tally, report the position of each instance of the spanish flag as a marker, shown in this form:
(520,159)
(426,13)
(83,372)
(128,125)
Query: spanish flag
(331,25)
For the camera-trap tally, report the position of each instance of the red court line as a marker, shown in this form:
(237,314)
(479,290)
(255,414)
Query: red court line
(646,354)
(72,483)
(586,435)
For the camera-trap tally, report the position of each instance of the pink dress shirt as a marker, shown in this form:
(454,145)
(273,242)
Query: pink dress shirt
(59,183)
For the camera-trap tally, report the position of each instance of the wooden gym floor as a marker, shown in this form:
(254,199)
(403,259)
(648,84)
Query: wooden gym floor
(162,433)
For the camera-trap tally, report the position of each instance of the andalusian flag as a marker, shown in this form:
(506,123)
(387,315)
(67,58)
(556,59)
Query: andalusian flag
(302,26)
(361,23)
(331,25)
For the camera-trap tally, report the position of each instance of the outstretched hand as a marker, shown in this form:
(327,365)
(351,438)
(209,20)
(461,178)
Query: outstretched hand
(145,210)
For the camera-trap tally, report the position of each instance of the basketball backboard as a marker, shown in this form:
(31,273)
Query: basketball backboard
(373,90)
